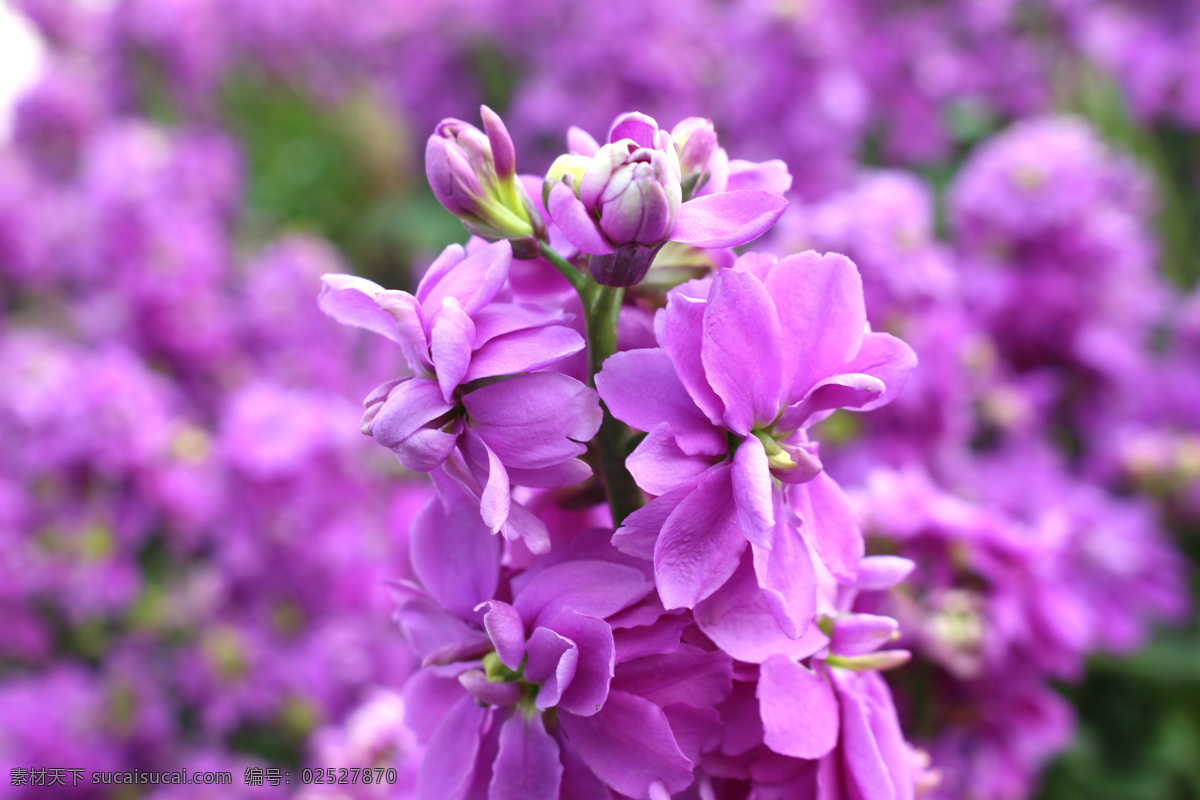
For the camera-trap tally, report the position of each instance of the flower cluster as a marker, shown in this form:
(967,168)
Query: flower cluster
(634,647)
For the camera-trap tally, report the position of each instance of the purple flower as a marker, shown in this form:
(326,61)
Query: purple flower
(473,174)
(748,361)
(623,202)
(493,669)
(486,434)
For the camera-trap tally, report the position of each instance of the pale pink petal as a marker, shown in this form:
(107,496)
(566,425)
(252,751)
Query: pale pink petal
(727,219)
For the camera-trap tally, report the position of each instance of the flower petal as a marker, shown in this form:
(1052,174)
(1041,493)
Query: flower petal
(550,664)
(727,219)
(659,466)
(640,530)
(411,405)
(449,762)
(700,542)
(768,176)
(887,358)
(527,766)
(752,490)
(799,709)
(642,389)
(450,339)
(453,555)
(739,621)
(741,350)
(572,218)
(350,300)
(536,419)
(822,314)
(523,351)
(682,337)
(506,629)
(634,125)
(597,658)
(472,281)
(629,745)
(689,675)
(829,523)
(787,578)
(594,588)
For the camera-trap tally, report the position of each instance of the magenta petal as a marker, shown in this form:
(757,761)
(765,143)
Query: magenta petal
(629,745)
(428,697)
(473,282)
(351,301)
(432,632)
(496,500)
(594,588)
(498,319)
(449,762)
(566,473)
(658,465)
(579,782)
(820,302)
(787,578)
(768,176)
(534,420)
(504,156)
(640,530)
(507,632)
(700,542)
(888,736)
(489,693)
(682,337)
(799,709)
(739,621)
(450,345)
(855,391)
(830,524)
(642,389)
(572,218)
(887,358)
(551,665)
(741,350)
(523,351)
(876,573)
(650,640)
(527,766)
(861,752)
(454,556)
(689,675)
(727,219)
(752,490)
(634,125)
(855,634)
(581,143)
(597,657)
(410,323)
(411,405)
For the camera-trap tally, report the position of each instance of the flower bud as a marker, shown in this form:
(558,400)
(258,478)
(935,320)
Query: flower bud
(879,661)
(696,142)
(473,175)
(634,191)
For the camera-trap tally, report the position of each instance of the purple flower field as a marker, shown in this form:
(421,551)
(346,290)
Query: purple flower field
(786,400)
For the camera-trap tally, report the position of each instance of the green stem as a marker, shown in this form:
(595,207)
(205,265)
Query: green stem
(574,277)
(601,306)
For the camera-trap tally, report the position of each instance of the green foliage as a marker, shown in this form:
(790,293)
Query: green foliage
(342,169)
